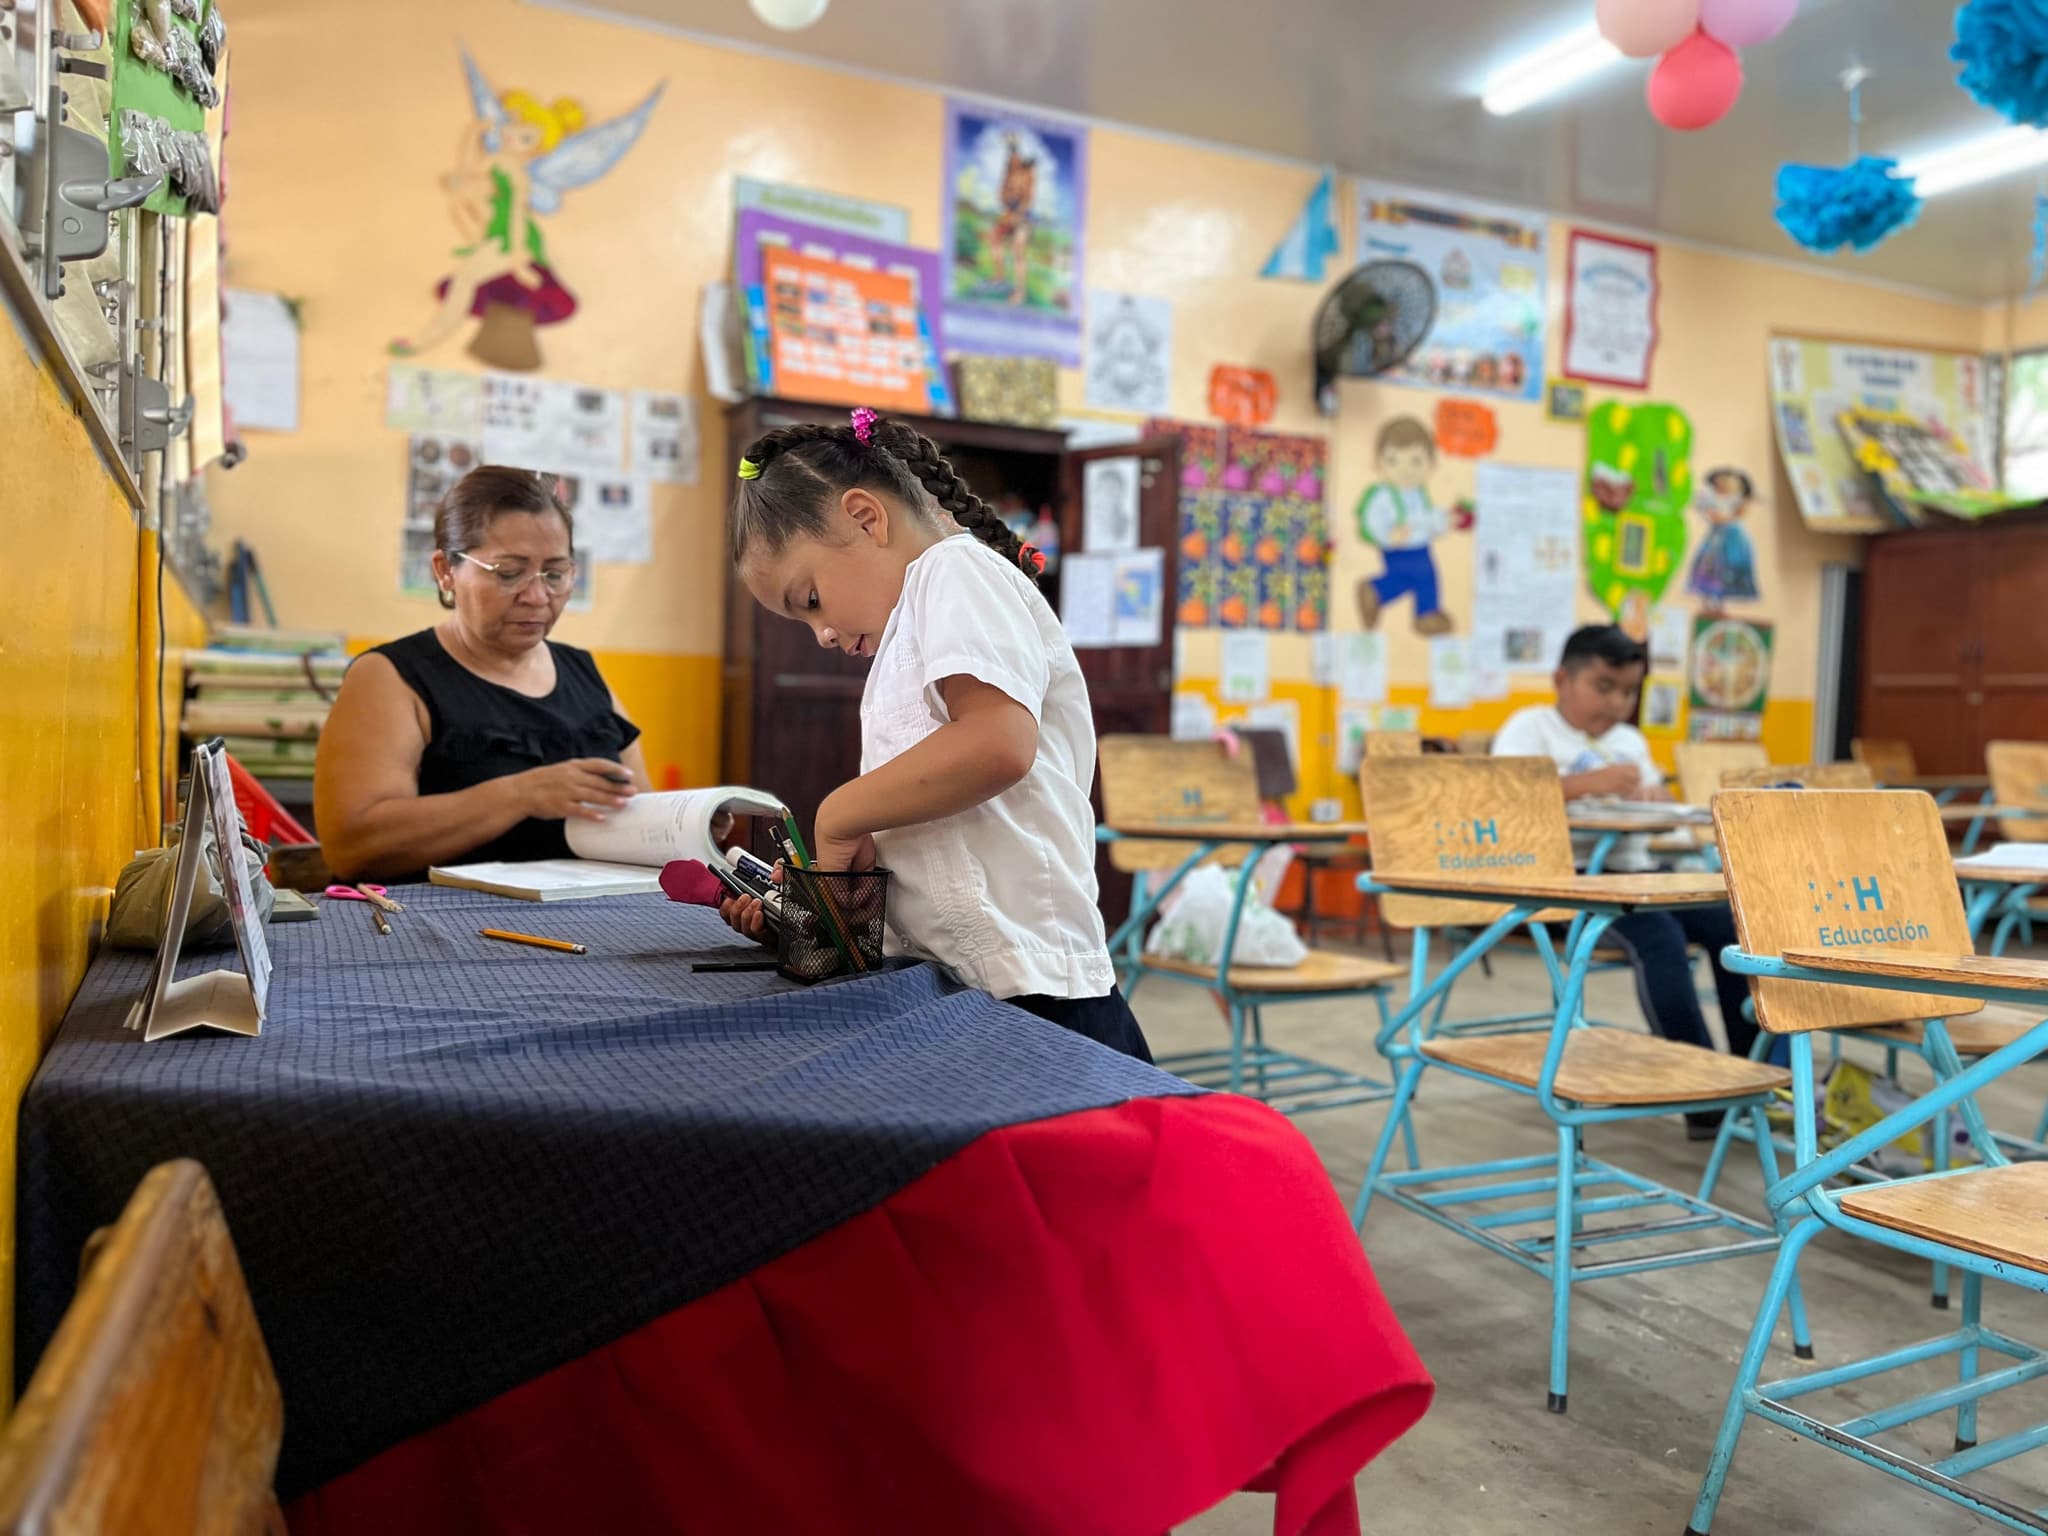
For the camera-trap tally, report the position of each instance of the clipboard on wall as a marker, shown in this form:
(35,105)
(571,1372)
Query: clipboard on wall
(226,1001)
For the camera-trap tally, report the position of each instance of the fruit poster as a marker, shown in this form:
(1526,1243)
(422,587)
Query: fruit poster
(1254,536)
(1633,501)
(1731,678)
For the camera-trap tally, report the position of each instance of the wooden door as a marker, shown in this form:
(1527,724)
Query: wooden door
(1919,648)
(1129,686)
(2011,662)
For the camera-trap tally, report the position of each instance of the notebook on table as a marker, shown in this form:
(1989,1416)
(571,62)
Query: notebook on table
(622,855)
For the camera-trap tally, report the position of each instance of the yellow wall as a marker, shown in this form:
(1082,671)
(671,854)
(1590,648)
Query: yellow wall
(75,702)
(353,222)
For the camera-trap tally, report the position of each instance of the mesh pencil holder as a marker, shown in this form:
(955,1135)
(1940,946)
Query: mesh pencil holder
(831,922)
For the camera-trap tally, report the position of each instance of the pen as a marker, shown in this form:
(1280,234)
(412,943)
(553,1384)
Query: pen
(377,922)
(538,943)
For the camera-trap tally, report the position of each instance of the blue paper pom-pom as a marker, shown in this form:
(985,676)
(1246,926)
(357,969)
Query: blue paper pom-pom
(2003,48)
(1825,209)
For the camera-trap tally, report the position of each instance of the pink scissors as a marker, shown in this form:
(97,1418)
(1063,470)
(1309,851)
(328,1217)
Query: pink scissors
(373,894)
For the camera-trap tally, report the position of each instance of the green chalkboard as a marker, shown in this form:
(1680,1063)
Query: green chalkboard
(140,88)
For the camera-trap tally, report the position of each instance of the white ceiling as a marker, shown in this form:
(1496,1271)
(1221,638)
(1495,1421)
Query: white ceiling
(1390,88)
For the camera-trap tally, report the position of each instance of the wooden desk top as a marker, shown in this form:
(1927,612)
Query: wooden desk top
(1934,783)
(1595,819)
(1646,890)
(1914,965)
(2001,874)
(1242,831)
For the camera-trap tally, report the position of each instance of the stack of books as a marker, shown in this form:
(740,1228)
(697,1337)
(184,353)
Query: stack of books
(267,692)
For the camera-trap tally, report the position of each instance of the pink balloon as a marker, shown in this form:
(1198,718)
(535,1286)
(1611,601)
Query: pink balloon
(1745,23)
(1642,29)
(1695,84)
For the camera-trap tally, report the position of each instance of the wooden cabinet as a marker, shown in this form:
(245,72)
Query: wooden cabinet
(1954,621)
(792,707)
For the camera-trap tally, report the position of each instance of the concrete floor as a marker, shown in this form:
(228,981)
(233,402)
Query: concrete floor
(1652,1354)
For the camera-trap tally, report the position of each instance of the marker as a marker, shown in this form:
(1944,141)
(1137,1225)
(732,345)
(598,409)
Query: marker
(537,942)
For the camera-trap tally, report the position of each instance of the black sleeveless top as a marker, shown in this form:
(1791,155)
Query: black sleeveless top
(479,730)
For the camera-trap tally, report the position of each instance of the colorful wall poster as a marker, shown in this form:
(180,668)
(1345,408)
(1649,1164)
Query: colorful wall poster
(1311,240)
(1637,486)
(1130,354)
(757,234)
(1525,569)
(842,334)
(521,155)
(1488,264)
(1920,466)
(1254,540)
(1610,310)
(1015,197)
(1399,517)
(1812,382)
(1731,678)
(1723,568)
(833,210)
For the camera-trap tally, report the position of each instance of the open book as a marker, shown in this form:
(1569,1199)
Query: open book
(623,854)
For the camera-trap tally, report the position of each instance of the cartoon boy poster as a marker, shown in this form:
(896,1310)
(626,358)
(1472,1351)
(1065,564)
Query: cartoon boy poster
(1397,514)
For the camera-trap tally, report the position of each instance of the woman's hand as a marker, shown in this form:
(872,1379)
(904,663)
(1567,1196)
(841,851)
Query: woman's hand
(583,789)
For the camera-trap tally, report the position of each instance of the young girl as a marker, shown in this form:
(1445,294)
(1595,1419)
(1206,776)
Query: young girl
(977,743)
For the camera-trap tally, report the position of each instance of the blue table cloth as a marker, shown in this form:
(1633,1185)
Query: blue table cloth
(450,1164)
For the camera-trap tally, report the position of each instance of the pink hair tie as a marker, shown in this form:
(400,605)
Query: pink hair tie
(864,425)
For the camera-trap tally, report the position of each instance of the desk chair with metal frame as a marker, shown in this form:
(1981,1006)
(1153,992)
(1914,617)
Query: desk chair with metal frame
(1799,867)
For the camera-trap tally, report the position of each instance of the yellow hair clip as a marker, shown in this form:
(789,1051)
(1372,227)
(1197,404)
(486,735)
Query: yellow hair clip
(749,470)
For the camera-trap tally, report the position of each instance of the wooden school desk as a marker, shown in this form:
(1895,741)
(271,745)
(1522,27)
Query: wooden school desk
(548,1242)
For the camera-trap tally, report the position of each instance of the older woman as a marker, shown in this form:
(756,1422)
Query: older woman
(478,738)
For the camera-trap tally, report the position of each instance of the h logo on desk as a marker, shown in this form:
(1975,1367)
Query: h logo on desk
(1191,797)
(1869,896)
(1849,925)
(1481,835)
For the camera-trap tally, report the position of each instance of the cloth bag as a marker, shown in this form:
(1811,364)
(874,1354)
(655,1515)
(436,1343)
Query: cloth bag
(142,894)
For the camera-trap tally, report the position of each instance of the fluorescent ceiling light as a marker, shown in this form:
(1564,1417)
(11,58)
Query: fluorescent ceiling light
(1974,160)
(1547,71)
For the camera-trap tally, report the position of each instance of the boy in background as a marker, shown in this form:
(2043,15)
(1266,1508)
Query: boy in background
(1599,753)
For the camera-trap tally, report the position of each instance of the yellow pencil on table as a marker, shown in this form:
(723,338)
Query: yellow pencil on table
(535,940)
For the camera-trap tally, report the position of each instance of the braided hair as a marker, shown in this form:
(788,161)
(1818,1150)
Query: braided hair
(790,478)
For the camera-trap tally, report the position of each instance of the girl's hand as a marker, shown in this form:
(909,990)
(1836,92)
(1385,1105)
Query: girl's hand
(743,914)
(838,846)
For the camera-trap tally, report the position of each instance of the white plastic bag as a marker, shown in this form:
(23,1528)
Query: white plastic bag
(1192,923)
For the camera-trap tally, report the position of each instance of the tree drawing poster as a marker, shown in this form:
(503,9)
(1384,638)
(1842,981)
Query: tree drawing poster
(1015,196)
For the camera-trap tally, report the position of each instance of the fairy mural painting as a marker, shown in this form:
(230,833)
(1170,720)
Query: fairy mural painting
(515,163)
(1015,190)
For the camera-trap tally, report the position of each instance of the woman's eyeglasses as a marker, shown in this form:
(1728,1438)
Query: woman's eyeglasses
(512,576)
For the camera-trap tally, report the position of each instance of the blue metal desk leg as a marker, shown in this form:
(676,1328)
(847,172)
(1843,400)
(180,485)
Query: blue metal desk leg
(1767,1157)
(1562,1254)
(1601,849)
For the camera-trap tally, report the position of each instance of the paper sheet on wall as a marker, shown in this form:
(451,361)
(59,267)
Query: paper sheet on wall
(1450,672)
(614,517)
(1322,659)
(1397,717)
(1140,601)
(1670,636)
(1525,572)
(665,443)
(553,425)
(1353,721)
(1284,716)
(1088,600)
(435,400)
(1194,717)
(1109,505)
(259,343)
(434,462)
(1130,354)
(1362,667)
(1244,677)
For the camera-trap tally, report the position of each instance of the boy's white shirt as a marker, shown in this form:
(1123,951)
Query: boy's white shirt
(1540,731)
